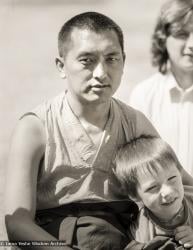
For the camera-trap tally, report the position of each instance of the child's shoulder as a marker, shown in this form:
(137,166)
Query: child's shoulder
(188,191)
(188,194)
(142,227)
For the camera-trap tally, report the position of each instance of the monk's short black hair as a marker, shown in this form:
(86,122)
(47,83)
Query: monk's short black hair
(93,21)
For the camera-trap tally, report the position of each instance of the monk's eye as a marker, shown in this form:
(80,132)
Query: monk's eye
(86,60)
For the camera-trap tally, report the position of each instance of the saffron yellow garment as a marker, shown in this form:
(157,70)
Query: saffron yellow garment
(73,169)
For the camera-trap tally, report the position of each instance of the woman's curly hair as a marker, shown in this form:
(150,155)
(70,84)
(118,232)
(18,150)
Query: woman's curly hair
(173,16)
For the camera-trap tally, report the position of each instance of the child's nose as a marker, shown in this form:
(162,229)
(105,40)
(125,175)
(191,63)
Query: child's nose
(167,194)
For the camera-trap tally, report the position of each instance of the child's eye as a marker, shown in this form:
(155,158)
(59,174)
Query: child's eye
(172,178)
(152,188)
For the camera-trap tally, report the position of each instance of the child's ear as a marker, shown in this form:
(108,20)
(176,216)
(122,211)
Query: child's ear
(60,66)
(135,199)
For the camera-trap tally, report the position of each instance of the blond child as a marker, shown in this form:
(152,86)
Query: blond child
(149,172)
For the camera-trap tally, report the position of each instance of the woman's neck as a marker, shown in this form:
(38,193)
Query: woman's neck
(184,79)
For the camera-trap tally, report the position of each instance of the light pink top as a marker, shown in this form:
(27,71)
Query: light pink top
(170,109)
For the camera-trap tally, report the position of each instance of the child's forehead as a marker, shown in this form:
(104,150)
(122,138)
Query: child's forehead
(149,175)
(154,170)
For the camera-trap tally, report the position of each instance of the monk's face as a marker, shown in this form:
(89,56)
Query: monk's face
(93,65)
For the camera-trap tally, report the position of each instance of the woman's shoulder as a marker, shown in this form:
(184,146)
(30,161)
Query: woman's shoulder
(153,82)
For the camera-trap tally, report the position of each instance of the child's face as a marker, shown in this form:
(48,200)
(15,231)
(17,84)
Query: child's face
(161,191)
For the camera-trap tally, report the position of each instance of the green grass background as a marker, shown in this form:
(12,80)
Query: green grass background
(28,42)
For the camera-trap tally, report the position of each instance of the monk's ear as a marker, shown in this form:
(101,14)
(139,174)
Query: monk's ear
(60,66)
(124,57)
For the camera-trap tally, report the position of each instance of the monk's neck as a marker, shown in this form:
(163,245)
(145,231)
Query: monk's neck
(95,114)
